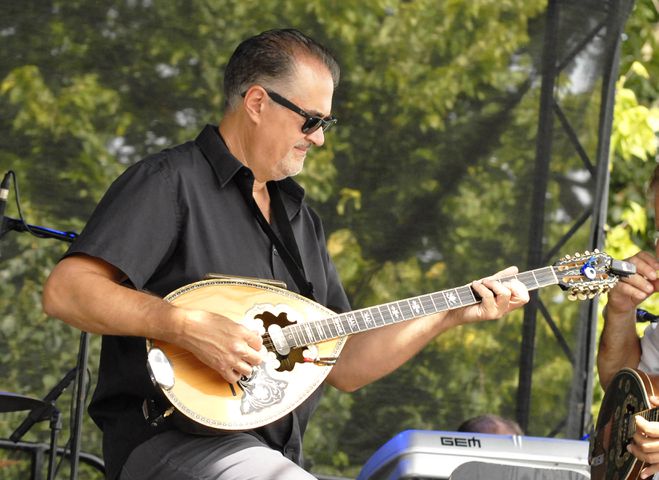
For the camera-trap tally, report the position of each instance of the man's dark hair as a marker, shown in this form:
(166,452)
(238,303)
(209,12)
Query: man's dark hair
(490,424)
(269,57)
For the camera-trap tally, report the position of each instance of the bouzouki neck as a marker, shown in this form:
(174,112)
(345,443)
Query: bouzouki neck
(341,325)
(583,275)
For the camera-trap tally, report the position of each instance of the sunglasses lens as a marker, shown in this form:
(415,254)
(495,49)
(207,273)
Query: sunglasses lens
(327,124)
(312,124)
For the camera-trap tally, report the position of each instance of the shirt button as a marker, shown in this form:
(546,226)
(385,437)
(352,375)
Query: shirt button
(275,252)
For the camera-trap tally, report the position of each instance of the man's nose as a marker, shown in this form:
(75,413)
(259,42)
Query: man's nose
(317,137)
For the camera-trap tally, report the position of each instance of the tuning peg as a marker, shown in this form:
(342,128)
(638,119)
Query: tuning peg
(577,254)
(572,296)
(596,251)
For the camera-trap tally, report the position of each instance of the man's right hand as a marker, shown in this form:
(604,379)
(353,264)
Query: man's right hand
(632,290)
(645,444)
(227,347)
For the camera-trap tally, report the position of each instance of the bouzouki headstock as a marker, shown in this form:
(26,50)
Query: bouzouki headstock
(587,274)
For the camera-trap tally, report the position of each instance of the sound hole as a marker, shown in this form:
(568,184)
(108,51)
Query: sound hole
(286,362)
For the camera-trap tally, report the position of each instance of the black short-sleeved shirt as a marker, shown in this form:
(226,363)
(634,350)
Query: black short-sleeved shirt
(168,221)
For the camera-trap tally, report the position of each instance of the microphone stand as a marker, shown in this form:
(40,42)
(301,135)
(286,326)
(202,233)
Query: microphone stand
(9,224)
(79,371)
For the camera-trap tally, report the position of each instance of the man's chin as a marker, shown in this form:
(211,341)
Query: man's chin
(292,169)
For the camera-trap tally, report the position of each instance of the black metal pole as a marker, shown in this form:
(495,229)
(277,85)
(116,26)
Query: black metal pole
(580,417)
(536,222)
(81,390)
(55,426)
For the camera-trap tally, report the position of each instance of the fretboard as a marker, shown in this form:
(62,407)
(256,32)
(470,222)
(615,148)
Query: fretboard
(341,325)
(651,415)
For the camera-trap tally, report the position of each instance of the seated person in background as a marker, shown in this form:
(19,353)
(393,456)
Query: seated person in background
(620,345)
(491,423)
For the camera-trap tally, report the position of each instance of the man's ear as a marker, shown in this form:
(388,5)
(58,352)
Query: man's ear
(254,101)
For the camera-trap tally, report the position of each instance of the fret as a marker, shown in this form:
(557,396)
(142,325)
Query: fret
(294,333)
(529,280)
(426,303)
(394,312)
(538,276)
(466,295)
(406,309)
(309,334)
(452,298)
(339,326)
(330,324)
(367,320)
(554,278)
(375,312)
(329,327)
(345,322)
(297,333)
(434,305)
(352,322)
(417,308)
(372,318)
(303,340)
(440,301)
(547,276)
(385,315)
(319,330)
(326,326)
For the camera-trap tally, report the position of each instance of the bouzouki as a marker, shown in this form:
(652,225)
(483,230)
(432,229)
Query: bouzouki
(626,397)
(303,339)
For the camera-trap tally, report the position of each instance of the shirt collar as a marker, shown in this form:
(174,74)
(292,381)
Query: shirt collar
(226,166)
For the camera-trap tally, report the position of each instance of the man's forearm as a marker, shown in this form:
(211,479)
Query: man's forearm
(85,293)
(619,345)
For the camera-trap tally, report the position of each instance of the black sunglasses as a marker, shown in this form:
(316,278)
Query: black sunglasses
(312,122)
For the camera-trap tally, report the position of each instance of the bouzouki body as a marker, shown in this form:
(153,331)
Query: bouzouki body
(303,339)
(626,397)
(277,386)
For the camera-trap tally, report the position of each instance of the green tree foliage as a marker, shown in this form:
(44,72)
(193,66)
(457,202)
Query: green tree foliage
(425,185)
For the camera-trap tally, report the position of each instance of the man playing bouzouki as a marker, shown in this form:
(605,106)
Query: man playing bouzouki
(205,206)
(620,345)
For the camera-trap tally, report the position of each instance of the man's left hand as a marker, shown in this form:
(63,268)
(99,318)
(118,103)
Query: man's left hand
(498,296)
